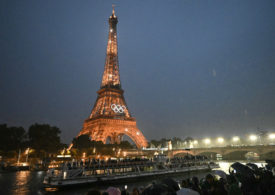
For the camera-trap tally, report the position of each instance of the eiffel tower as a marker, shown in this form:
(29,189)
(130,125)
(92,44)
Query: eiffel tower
(110,118)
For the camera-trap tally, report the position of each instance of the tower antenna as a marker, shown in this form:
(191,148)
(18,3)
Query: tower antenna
(113,6)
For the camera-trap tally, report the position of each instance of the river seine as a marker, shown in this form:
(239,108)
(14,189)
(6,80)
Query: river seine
(27,182)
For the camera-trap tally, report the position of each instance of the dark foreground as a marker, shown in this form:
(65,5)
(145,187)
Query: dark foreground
(242,179)
(26,182)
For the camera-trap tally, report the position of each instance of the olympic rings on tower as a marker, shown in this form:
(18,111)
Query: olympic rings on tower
(118,108)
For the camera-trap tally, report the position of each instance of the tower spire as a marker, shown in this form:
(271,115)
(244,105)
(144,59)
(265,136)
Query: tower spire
(111,70)
(113,6)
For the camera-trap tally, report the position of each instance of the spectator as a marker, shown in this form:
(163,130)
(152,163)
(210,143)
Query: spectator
(208,186)
(195,185)
(113,191)
(94,192)
(233,187)
(135,191)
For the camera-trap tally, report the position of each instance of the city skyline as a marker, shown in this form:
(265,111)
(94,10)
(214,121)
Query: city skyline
(188,68)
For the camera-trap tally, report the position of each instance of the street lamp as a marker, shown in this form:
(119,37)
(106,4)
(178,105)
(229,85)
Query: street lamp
(220,140)
(194,143)
(271,136)
(253,138)
(235,139)
(207,141)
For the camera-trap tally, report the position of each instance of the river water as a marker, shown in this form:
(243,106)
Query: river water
(27,182)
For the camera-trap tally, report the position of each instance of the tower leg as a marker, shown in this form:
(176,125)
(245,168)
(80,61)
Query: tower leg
(115,138)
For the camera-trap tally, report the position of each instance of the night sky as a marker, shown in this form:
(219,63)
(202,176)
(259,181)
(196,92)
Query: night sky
(188,67)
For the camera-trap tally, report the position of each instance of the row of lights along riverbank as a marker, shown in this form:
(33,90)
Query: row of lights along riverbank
(252,139)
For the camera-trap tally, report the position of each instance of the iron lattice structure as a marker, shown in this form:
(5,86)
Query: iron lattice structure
(110,117)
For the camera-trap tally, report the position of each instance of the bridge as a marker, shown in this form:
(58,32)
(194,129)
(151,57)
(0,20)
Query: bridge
(227,153)
(264,151)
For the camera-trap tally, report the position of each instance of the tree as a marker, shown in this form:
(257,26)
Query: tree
(82,142)
(125,145)
(188,139)
(164,142)
(12,138)
(176,142)
(155,143)
(44,138)
(263,135)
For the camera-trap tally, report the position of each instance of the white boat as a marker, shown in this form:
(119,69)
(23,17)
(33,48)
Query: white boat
(91,172)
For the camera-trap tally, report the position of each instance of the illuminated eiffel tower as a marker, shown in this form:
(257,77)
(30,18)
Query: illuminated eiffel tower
(110,117)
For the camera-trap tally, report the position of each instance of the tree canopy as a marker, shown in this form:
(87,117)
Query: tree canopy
(43,137)
(83,142)
(12,138)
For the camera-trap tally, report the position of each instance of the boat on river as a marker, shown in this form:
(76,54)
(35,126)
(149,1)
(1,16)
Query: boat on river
(93,171)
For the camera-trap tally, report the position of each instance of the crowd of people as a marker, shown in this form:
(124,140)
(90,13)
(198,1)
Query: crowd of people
(171,163)
(90,163)
(241,180)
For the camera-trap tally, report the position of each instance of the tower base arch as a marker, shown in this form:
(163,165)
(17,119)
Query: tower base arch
(102,128)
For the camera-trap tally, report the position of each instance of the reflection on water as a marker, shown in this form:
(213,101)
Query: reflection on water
(51,189)
(26,182)
(21,182)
